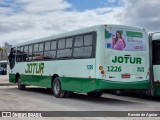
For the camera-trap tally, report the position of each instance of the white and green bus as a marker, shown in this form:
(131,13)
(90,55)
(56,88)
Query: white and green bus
(155,63)
(89,60)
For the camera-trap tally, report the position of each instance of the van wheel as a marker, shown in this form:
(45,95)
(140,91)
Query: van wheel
(95,94)
(20,85)
(57,89)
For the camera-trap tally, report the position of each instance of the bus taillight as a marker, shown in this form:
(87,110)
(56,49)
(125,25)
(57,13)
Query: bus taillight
(126,75)
(102,72)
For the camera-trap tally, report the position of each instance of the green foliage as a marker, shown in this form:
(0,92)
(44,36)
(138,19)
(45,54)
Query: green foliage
(1,49)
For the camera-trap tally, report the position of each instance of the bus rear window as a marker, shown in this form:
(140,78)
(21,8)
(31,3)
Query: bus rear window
(156,52)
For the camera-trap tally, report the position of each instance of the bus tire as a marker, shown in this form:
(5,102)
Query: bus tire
(57,89)
(20,85)
(95,94)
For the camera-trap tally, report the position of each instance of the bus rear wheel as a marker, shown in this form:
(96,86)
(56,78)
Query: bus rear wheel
(95,94)
(20,85)
(57,89)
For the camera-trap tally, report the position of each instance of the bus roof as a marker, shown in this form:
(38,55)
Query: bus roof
(3,61)
(156,36)
(74,32)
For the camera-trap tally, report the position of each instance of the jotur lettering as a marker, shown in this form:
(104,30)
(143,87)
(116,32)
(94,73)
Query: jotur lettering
(127,59)
(35,68)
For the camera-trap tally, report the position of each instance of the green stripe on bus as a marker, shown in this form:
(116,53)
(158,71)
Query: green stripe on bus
(82,84)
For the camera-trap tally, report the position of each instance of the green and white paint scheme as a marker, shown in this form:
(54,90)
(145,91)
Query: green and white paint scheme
(109,69)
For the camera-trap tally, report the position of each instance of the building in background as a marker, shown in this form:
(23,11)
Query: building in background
(4,51)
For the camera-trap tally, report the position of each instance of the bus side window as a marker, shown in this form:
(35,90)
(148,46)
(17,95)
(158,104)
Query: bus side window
(64,52)
(83,47)
(53,45)
(78,41)
(50,50)
(156,54)
(38,51)
(69,42)
(82,52)
(30,52)
(19,55)
(88,39)
(25,54)
(47,46)
(61,44)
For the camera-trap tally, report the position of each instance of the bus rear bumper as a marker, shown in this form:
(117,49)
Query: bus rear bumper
(107,84)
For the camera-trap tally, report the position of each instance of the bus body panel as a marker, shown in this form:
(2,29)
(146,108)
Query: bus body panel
(86,75)
(156,74)
(132,65)
(155,61)
(68,70)
(108,84)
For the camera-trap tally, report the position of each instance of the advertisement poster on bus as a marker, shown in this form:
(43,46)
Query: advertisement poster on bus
(125,40)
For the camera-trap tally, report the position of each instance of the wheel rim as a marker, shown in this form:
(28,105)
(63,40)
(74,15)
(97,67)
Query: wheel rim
(56,87)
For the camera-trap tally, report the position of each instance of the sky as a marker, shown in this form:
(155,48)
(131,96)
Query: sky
(22,20)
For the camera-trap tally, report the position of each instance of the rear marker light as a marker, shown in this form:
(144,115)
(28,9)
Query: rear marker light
(102,72)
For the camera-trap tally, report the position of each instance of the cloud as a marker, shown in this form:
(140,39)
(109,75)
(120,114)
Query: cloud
(142,13)
(38,18)
(111,1)
(39,6)
(45,18)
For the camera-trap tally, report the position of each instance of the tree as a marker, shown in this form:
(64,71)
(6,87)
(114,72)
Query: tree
(1,49)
